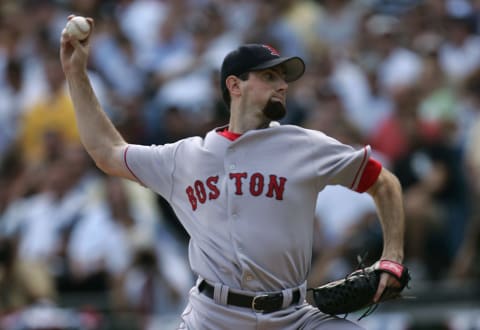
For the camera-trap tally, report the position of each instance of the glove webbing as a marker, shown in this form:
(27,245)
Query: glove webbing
(370,308)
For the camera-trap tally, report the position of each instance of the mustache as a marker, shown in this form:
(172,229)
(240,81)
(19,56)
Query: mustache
(274,110)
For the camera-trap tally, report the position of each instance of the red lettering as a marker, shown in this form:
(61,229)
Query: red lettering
(276,186)
(191,197)
(212,185)
(200,191)
(238,181)
(256,184)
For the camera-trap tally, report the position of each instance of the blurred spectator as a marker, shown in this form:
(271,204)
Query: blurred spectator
(140,20)
(90,8)
(369,113)
(22,283)
(97,251)
(114,58)
(131,122)
(466,261)
(65,187)
(438,99)
(158,272)
(476,15)
(184,82)
(425,161)
(435,205)
(18,183)
(148,292)
(397,66)
(471,92)
(396,8)
(465,265)
(460,54)
(112,249)
(396,134)
(352,85)
(271,26)
(328,114)
(49,123)
(338,23)
(14,96)
(172,40)
(302,17)
(400,68)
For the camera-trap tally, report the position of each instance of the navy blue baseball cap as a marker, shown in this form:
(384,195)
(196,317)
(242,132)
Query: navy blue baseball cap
(255,57)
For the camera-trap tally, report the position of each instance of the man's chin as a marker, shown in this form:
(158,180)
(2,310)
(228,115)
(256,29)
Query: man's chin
(274,110)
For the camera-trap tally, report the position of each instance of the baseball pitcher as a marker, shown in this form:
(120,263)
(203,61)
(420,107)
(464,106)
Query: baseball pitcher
(246,193)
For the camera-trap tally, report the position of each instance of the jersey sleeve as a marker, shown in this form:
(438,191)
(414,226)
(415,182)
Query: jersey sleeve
(153,166)
(341,164)
(370,175)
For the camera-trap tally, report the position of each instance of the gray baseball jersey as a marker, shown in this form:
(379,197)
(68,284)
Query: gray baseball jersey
(248,205)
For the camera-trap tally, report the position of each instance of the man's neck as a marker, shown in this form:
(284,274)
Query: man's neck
(241,122)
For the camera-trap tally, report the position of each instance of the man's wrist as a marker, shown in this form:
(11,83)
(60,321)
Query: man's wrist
(395,257)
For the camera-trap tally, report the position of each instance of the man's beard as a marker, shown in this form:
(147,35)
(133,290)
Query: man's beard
(274,110)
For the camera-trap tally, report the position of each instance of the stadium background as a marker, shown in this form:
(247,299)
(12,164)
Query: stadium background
(79,250)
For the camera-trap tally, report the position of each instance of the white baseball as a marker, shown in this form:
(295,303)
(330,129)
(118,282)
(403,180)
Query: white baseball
(78,28)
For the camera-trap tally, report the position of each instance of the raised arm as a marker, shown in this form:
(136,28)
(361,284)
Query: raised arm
(98,135)
(387,194)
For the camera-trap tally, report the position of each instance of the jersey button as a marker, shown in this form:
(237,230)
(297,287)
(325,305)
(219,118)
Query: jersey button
(232,166)
(249,277)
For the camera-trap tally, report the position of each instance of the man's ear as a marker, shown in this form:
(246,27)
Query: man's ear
(233,85)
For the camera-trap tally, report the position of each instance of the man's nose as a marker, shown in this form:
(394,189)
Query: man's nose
(283,85)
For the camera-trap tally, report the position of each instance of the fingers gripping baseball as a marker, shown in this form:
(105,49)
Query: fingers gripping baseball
(73,51)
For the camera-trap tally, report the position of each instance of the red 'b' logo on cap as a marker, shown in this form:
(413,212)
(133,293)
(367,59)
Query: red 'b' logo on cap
(272,50)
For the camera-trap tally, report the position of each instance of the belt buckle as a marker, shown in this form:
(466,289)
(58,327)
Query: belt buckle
(255,300)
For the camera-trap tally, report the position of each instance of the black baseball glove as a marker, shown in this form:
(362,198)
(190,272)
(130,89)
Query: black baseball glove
(356,291)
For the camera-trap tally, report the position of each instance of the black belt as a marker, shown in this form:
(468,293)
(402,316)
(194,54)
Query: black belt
(264,303)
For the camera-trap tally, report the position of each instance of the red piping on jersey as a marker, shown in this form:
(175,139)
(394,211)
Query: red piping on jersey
(128,167)
(229,135)
(370,175)
(360,167)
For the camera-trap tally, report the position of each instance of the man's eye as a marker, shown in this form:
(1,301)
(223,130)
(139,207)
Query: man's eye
(268,75)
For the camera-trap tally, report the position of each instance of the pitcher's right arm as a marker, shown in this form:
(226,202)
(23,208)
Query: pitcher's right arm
(98,134)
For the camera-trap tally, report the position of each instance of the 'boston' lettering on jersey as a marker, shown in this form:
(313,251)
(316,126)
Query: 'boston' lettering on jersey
(255,184)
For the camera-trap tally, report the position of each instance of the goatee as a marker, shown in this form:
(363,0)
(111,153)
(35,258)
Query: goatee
(274,110)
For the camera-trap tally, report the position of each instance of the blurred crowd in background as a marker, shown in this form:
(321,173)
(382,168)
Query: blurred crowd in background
(402,76)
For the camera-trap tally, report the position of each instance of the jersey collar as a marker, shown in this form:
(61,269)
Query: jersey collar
(228,134)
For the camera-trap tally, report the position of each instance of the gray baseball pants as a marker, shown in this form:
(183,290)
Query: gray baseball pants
(203,313)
